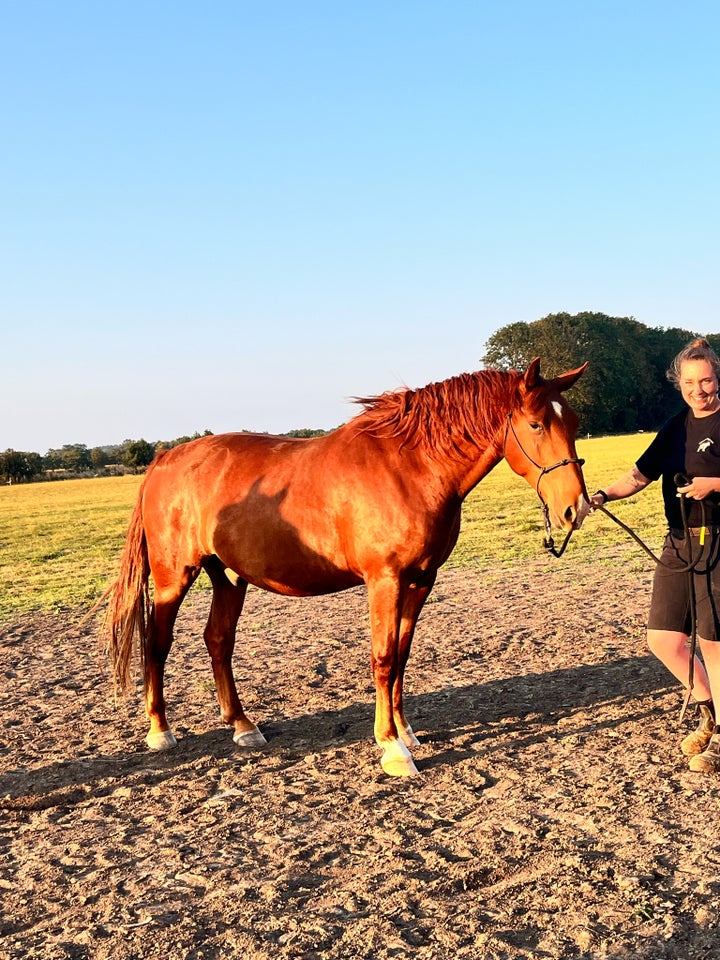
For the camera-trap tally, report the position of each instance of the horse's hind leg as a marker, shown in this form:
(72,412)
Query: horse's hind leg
(166,604)
(227,604)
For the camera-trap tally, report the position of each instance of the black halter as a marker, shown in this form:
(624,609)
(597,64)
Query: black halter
(548,541)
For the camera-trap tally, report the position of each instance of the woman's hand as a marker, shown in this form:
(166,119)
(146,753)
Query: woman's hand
(586,508)
(700,487)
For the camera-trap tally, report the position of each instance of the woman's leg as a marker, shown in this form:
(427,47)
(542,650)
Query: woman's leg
(671,649)
(710,650)
(709,760)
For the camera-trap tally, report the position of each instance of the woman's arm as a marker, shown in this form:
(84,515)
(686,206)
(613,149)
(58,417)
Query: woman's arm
(631,482)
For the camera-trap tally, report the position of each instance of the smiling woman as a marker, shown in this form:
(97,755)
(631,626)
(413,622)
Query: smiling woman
(686,589)
(698,384)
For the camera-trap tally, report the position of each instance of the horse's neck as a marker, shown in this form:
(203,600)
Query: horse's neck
(480,453)
(486,448)
(448,465)
(478,465)
(453,477)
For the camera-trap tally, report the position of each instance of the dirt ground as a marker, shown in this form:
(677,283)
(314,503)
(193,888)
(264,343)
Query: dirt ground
(554,816)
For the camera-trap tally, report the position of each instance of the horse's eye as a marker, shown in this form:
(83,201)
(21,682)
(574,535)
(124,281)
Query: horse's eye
(534,425)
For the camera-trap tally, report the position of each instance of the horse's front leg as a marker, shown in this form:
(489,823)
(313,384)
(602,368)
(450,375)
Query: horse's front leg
(415,597)
(385,605)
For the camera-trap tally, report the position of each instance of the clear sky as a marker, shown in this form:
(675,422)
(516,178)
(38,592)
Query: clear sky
(237,215)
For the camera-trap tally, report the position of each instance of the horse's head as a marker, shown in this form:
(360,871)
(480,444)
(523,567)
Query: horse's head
(540,445)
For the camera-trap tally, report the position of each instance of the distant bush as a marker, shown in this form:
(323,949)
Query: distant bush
(306,433)
(17,466)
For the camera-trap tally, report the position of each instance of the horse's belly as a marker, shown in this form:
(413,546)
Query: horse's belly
(284,564)
(309,588)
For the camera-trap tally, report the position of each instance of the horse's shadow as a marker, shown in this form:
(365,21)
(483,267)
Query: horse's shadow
(455,721)
(460,720)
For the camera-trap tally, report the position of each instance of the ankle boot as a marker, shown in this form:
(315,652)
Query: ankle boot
(709,760)
(696,742)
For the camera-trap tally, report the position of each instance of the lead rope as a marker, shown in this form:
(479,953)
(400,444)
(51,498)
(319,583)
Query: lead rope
(549,543)
(690,574)
(688,570)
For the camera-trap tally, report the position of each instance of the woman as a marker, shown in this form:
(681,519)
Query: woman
(689,445)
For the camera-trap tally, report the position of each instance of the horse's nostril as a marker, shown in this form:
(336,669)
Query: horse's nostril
(571,514)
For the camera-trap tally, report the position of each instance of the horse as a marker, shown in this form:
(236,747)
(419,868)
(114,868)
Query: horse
(376,501)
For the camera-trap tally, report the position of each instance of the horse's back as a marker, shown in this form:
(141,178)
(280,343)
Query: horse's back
(231,466)
(258,502)
(299,516)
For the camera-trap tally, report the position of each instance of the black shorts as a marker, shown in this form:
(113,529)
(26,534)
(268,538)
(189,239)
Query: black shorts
(670,604)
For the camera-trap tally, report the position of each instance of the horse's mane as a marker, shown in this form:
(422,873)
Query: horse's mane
(443,417)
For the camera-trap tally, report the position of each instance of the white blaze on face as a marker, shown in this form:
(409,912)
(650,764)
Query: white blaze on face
(557,407)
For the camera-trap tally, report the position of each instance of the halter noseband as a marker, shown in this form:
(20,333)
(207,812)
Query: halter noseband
(548,542)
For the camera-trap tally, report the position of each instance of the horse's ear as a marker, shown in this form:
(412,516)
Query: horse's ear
(532,378)
(566,380)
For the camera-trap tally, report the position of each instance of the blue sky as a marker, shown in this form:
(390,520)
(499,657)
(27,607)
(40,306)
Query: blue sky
(237,215)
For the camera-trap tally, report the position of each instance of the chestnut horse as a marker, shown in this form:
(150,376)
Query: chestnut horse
(377,501)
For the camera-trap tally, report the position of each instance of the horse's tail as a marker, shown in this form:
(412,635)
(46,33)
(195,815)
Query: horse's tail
(127,618)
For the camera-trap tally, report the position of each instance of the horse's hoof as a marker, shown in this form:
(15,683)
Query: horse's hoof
(250,738)
(164,740)
(399,766)
(397,760)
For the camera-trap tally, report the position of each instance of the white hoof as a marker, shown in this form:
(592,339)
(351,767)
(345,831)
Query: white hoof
(164,740)
(408,737)
(250,738)
(397,760)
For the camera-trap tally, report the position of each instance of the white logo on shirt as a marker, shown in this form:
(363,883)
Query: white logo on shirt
(704,445)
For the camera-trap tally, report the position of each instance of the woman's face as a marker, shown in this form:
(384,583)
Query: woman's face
(699,387)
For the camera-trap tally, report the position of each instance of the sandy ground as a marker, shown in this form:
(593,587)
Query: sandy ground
(554,815)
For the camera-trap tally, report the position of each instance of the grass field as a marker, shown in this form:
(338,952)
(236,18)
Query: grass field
(59,542)
(502,519)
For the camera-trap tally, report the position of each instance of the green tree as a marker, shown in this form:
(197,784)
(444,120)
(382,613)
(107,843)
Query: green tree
(625,387)
(138,453)
(306,433)
(186,439)
(16,466)
(98,458)
(74,457)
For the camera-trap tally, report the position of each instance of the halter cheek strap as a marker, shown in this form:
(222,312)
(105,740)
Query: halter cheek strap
(543,470)
(548,542)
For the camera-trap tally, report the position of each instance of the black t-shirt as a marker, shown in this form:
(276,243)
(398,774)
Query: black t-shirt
(690,445)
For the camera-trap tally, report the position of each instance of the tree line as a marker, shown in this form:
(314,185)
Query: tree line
(77,460)
(625,388)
